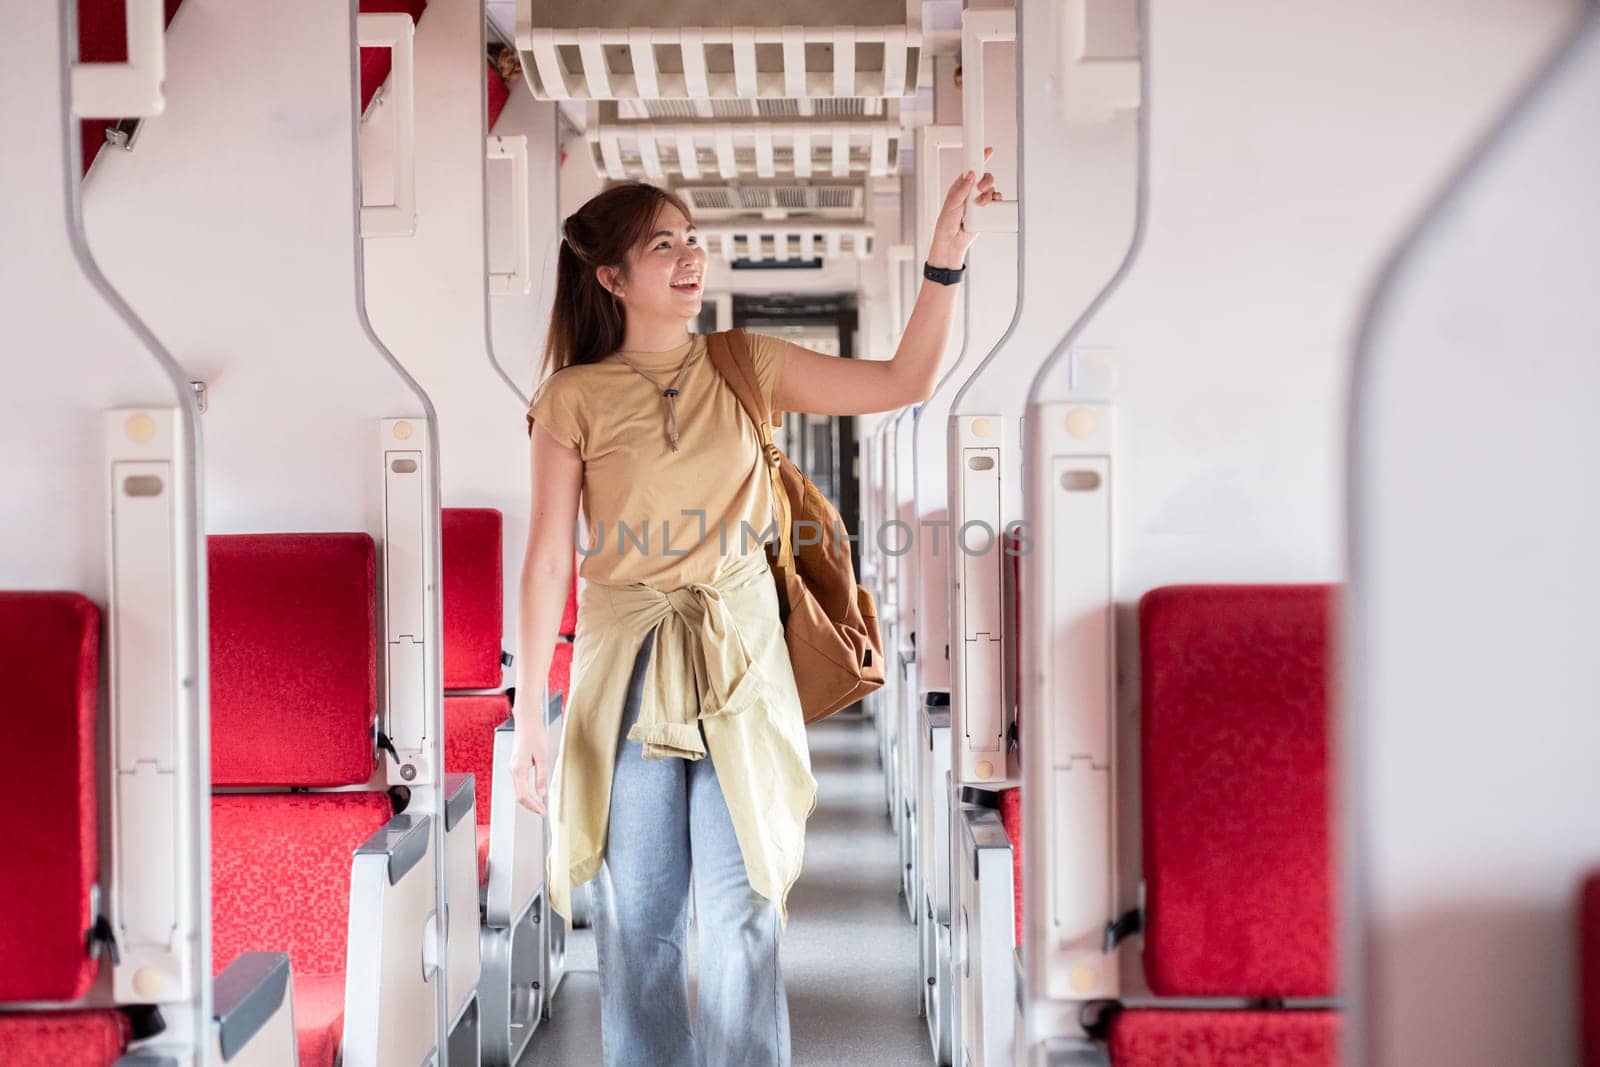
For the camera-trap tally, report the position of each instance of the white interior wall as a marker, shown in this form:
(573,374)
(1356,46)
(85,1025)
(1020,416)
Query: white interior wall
(68,353)
(1476,513)
(232,231)
(1280,173)
(578,180)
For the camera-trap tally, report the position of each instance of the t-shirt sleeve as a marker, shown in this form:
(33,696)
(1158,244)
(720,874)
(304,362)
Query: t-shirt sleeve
(555,407)
(768,354)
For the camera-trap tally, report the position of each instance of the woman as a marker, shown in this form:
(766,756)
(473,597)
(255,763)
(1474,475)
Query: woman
(684,746)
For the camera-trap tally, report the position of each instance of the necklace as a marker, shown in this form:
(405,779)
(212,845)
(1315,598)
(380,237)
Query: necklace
(669,393)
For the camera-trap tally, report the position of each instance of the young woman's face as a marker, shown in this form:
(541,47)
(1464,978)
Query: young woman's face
(666,273)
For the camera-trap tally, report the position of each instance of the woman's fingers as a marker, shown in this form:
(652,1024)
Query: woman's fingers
(525,795)
(958,191)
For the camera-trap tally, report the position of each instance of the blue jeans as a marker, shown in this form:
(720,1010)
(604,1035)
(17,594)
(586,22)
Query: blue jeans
(666,816)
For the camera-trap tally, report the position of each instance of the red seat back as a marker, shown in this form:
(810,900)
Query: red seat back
(1237,842)
(1589,983)
(294,659)
(49,675)
(499,94)
(1011,819)
(560,678)
(473,597)
(469,725)
(293,703)
(569,614)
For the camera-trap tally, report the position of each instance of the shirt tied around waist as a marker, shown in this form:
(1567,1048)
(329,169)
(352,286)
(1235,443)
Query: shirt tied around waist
(719,683)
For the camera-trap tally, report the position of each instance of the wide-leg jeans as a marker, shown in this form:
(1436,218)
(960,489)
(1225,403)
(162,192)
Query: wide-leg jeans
(668,819)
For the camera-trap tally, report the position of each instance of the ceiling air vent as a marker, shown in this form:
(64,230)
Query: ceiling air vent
(708,199)
(835,202)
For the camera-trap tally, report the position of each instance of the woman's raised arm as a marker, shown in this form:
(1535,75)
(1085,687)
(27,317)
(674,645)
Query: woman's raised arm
(819,384)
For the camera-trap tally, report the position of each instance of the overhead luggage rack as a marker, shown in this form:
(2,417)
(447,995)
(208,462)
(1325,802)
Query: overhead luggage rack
(866,48)
(797,240)
(692,149)
(775,200)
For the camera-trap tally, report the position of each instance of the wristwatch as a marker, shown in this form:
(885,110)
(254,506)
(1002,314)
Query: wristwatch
(943,275)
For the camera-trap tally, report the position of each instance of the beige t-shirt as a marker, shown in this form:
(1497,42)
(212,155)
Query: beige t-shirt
(652,515)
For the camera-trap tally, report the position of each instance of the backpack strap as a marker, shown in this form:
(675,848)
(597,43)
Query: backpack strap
(731,356)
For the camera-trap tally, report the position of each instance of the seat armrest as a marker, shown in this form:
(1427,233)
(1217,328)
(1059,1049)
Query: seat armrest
(983,951)
(461,891)
(253,1011)
(459,798)
(516,842)
(1074,1052)
(401,844)
(391,963)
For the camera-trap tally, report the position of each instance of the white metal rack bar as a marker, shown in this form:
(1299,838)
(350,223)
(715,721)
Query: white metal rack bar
(624,149)
(595,63)
(133,89)
(518,280)
(981,29)
(397,32)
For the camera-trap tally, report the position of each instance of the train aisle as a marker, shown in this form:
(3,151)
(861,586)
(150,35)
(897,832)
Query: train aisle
(849,955)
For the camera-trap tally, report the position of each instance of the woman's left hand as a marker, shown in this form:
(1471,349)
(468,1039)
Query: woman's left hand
(950,238)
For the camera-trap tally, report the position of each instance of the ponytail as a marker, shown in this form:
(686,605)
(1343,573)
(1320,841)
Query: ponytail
(587,322)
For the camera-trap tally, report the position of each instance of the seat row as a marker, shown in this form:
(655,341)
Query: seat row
(1230,957)
(322,879)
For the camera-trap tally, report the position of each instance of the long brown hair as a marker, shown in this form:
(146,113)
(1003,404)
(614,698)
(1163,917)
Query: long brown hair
(586,323)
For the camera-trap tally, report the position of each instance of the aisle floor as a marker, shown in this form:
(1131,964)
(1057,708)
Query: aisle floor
(850,953)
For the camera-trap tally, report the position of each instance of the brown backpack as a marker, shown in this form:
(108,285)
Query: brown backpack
(829,622)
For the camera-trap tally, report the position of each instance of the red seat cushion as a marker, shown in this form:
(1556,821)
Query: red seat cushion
(1589,983)
(1237,842)
(1160,1038)
(376,62)
(473,597)
(280,874)
(63,1038)
(294,659)
(1011,817)
(469,725)
(318,1017)
(560,677)
(49,673)
(483,854)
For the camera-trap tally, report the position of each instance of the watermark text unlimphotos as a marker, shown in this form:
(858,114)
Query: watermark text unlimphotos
(893,538)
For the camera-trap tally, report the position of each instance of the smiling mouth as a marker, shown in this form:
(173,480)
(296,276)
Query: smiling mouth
(692,285)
